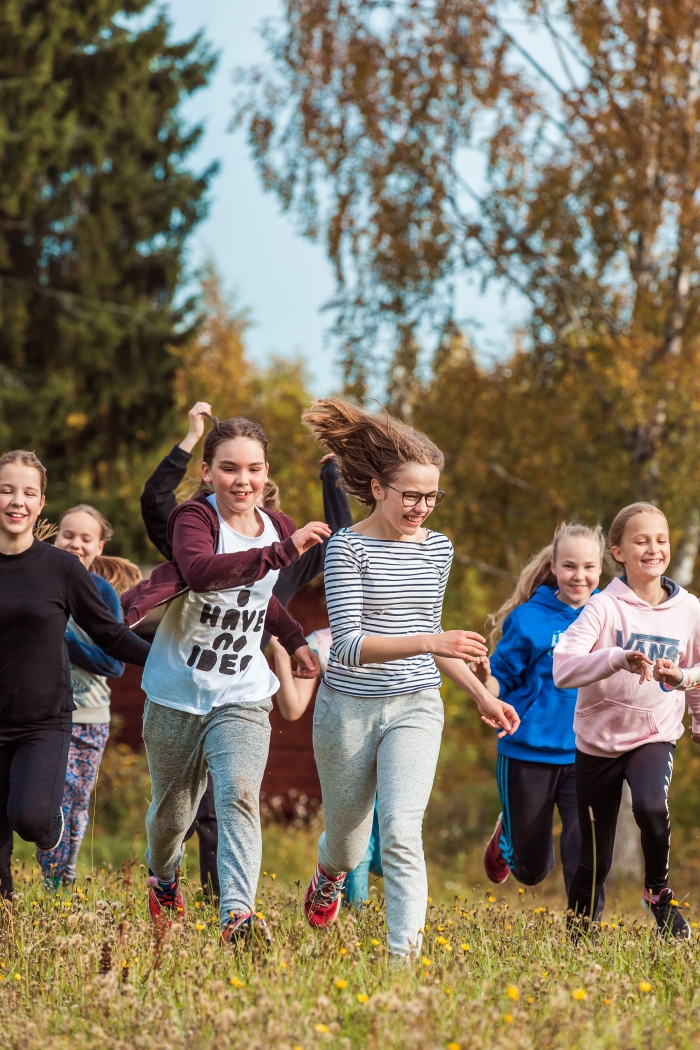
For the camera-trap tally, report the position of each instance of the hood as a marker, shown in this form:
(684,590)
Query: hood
(546,598)
(619,590)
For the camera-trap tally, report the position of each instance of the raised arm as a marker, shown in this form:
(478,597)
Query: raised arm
(575,662)
(90,612)
(158,498)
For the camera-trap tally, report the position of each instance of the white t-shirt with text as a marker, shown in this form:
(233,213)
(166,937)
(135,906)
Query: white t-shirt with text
(206,651)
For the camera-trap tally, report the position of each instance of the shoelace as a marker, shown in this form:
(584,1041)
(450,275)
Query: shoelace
(325,893)
(167,896)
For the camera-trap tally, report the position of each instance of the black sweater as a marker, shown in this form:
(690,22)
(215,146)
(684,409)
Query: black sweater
(39,589)
(158,500)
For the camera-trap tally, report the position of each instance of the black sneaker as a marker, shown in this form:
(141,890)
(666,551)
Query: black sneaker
(669,918)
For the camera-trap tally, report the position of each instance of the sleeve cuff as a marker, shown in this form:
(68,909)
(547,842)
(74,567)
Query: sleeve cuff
(618,659)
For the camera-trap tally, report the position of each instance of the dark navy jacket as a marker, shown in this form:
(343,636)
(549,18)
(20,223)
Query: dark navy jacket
(522,663)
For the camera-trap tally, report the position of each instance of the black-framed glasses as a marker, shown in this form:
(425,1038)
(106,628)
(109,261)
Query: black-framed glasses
(412,499)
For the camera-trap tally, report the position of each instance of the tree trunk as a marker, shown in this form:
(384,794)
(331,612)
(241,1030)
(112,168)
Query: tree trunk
(682,565)
(628,861)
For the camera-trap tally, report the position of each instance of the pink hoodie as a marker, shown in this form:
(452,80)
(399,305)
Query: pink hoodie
(614,713)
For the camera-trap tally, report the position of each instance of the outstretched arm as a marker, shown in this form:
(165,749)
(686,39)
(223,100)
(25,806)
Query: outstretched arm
(495,713)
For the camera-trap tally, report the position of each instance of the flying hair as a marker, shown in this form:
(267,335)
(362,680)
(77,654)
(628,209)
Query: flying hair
(121,573)
(538,573)
(368,445)
(620,523)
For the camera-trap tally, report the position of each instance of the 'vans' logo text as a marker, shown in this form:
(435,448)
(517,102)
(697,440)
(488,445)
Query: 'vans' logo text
(652,645)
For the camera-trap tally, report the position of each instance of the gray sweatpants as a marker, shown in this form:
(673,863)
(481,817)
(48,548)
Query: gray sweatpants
(232,741)
(367,744)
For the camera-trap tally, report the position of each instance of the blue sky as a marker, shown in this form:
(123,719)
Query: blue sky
(281,277)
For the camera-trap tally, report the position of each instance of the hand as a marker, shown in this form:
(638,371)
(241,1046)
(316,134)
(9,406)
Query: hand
(308,665)
(313,533)
(495,713)
(196,417)
(640,664)
(695,737)
(482,669)
(462,645)
(667,672)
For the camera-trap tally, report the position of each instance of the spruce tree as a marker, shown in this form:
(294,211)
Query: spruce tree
(96,203)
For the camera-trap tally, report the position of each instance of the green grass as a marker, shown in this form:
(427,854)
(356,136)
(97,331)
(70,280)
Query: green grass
(83,970)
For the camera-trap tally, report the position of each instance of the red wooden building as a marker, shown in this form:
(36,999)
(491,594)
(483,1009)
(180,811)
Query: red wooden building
(291,774)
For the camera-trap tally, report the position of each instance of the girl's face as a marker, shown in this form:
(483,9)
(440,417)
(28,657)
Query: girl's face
(21,501)
(238,473)
(577,569)
(81,534)
(414,479)
(645,548)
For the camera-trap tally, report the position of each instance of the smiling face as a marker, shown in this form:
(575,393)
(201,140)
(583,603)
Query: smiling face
(81,534)
(237,474)
(645,548)
(411,477)
(577,568)
(21,500)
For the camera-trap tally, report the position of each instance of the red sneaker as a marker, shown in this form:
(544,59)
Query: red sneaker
(323,898)
(494,863)
(165,900)
(242,927)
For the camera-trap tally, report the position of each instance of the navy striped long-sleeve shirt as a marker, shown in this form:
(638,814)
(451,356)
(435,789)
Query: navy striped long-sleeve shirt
(383,587)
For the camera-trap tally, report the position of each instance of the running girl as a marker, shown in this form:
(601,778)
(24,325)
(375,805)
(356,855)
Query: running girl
(83,531)
(535,766)
(40,587)
(207,681)
(626,724)
(378,717)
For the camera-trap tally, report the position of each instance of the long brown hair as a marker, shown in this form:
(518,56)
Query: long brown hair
(368,445)
(538,573)
(121,573)
(620,522)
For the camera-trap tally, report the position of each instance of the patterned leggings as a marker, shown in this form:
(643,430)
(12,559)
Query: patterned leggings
(86,747)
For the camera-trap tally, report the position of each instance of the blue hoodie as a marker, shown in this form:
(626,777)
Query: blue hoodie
(522,663)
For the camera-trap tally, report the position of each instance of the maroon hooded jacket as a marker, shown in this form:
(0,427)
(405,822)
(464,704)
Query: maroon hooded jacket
(193,534)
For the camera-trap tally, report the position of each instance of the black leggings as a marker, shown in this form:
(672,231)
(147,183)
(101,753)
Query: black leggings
(33,761)
(529,792)
(647,770)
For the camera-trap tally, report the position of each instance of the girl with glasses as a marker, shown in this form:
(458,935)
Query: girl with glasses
(378,717)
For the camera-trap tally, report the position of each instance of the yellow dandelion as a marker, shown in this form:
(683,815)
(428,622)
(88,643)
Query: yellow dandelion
(2,976)
(259,915)
(264,873)
(686,904)
(465,947)
(453,1046)
(425,961)
(607,1002)
(199,926)
(644,986)
(441,940)
(579,994)
(374,942)
(490,900)
(340,983)
(272,875)
(197,904)
(530,999)
(213,919)
(321,1028)
(512,992)
(508,1018)
(675,903)
(18,977)
(363,997)
(447,947)
(540,911)
(448,991)
(283,965)
(521,890)
(430,900)
(694,925)
(237,982)
(343,951)
(125,964)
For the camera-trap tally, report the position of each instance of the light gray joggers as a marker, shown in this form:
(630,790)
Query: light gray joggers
(233,742)
(368,744)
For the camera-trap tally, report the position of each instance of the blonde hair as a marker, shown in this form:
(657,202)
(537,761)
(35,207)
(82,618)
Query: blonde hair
(27,459)
(368,446)
(121,573)
(106,530)
(538,573)
(620,523)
